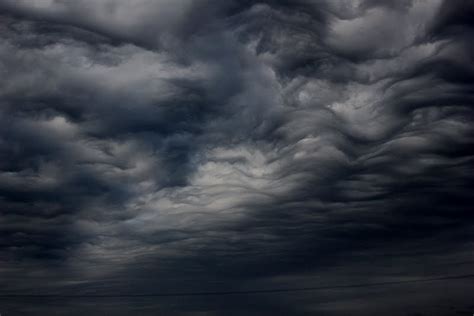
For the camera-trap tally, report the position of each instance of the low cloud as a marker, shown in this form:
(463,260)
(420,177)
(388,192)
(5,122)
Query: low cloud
(185,146)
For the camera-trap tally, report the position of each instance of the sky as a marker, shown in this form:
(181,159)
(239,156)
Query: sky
(236,157)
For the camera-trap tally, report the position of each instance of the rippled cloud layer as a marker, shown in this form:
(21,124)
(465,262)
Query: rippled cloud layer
(208,146)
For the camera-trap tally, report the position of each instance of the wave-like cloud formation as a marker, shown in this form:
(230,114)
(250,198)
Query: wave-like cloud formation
(180,146)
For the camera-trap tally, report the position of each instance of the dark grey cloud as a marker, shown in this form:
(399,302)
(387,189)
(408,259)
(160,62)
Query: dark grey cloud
(195,146)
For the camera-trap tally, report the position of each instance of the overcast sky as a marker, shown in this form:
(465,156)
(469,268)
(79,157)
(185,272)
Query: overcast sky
(195,146)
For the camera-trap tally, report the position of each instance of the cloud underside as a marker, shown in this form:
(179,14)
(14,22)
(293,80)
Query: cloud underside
(186,145)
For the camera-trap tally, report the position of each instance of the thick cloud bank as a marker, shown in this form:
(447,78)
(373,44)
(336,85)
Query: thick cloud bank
(188,146)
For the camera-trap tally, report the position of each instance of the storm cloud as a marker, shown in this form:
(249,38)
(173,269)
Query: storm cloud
(196,146)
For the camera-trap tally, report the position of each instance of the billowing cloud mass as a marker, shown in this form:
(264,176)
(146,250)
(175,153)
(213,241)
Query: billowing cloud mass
(196,146)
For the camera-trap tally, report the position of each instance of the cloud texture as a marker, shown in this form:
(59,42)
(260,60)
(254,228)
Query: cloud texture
(190,146)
